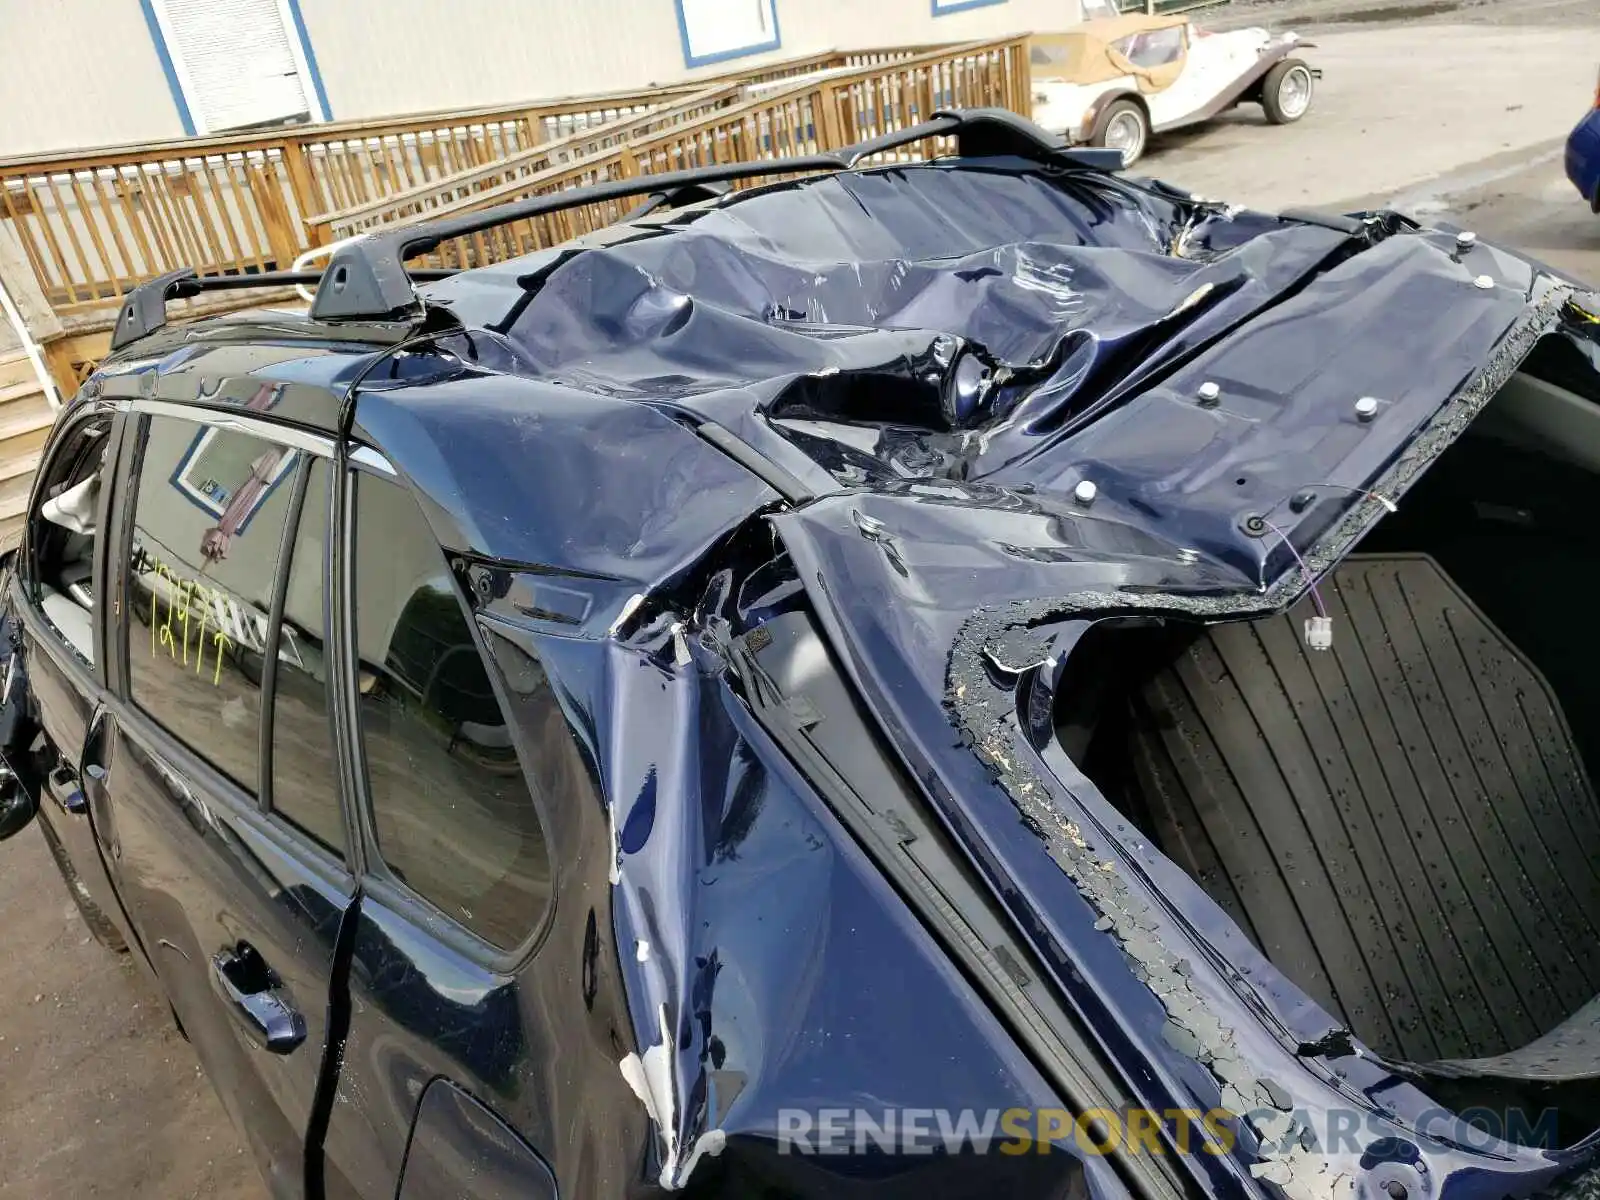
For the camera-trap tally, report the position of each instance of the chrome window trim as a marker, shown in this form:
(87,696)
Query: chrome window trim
(366,456)
(285,435)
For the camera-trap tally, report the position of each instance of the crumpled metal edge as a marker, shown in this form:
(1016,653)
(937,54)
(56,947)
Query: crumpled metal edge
(981,711)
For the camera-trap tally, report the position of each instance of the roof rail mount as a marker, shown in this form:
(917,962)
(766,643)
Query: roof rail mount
(144,309)
(368,279)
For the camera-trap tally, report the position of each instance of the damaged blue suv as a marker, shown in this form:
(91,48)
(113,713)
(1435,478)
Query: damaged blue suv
(976,677)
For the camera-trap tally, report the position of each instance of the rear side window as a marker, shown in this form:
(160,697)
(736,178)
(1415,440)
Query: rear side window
(208,521)
(454,817)
(1153,48)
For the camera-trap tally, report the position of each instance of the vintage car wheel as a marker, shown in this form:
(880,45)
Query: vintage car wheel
(1287,90)
(1123,126)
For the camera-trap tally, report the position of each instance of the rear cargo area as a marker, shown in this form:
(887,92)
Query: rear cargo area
(1405,824)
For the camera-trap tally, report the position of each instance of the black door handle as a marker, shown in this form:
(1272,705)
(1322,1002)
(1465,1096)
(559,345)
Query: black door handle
(64,790)
(255,997)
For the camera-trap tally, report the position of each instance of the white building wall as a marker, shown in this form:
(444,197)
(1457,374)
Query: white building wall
(416,55)
(80,73)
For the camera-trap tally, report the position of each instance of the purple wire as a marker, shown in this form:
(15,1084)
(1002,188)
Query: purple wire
(1316,596)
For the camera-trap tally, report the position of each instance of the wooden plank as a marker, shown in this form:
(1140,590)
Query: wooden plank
(22,284)
(58,260)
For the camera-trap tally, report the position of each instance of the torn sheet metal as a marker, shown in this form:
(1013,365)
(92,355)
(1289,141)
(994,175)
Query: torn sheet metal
(896,613)
(768,968)
(943,356)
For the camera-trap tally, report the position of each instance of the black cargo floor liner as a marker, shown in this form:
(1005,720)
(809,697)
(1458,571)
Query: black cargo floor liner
(1402,825)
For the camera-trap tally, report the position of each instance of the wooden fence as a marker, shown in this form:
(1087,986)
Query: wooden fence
(93,223)
(425,198)
(826,111)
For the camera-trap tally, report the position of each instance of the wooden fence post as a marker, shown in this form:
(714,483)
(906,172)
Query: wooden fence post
(22,285)
(302,186)
(827,98)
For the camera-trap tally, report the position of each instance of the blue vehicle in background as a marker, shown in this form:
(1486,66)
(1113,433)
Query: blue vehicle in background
(1583,155)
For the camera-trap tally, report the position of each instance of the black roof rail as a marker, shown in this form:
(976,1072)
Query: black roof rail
(144,309)
(368,279)
(679,197)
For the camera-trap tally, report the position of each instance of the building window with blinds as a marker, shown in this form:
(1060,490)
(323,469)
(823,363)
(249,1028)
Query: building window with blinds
(714,30)
(237,64)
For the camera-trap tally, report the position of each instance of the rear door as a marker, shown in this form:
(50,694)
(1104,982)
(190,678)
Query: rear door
(231,860)
(54,595)
(456,886)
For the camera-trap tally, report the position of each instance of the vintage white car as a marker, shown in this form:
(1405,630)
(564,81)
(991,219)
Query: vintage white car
(1116,80)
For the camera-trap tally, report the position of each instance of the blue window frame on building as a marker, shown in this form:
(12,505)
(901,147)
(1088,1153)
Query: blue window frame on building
(237,65)
(214,469)
(944,7)
(715,30)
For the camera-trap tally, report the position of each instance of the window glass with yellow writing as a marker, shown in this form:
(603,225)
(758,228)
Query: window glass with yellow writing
(208,524)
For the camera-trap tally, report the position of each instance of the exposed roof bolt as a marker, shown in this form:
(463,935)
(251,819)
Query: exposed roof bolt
(1085,492)
(1483,283)
(1366,408)
(1465,240)
(1210,393)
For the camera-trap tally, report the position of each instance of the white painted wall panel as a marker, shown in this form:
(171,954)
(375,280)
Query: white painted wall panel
(79,73)
(385,56)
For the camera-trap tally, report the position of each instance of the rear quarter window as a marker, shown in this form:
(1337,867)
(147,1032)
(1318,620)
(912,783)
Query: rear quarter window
(451,807)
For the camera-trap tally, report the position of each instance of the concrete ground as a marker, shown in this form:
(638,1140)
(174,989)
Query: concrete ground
(1458,115)
(1449,110)
(99,1095)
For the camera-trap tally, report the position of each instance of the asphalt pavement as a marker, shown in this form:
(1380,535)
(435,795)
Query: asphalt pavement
(1450,110)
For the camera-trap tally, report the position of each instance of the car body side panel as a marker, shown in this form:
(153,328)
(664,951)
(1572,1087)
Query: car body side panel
(66,692)
(1220,67)
(459,1148)
(747,948)
(205,874)
(1238,88)
(655,495)
(201,870)
(66,695)
(1070,108)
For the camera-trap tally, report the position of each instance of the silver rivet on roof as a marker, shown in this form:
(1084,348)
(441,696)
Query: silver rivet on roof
(1466,240)
(1483,283)
(1209,393)
(1085,492)
(1367,408)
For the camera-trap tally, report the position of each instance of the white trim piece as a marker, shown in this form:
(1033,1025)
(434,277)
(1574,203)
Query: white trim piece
(302,64)
(366,456)
(285,435)
(31,348)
